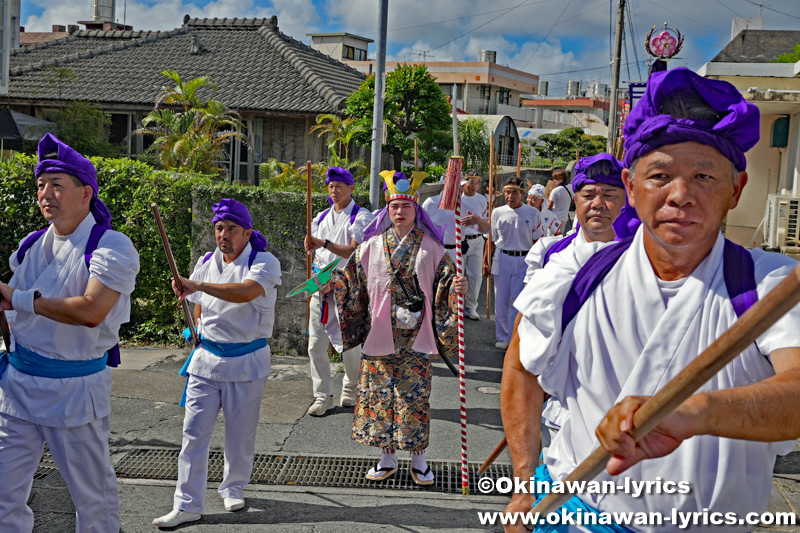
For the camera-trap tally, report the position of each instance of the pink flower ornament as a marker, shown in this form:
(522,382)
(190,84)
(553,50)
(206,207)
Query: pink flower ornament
(664,44)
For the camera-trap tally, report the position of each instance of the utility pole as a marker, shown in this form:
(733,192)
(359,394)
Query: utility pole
(615,64)
(377,109)
(455,119)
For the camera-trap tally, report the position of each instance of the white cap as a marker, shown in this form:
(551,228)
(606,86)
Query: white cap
(536,190)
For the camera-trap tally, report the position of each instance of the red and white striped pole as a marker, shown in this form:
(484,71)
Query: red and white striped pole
(451,200)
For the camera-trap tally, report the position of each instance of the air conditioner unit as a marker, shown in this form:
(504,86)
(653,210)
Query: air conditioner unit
(781,220)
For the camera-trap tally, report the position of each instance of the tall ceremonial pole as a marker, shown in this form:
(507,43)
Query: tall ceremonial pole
(308,234)
(744,332)
(487,249)
(451,200)
(174,269)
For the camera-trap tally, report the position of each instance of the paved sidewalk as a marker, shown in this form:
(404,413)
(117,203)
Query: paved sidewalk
(146,415)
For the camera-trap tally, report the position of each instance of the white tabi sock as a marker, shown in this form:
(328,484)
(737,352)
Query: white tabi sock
(388,460)
(418,462)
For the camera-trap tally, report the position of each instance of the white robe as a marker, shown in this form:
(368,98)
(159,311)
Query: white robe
(230,322)
(68,402)
(625,342)
(336,228)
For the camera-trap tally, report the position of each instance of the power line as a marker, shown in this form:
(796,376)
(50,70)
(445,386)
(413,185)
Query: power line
(728,8)
(548,33)
(487,22)
(761,5)
(687,18)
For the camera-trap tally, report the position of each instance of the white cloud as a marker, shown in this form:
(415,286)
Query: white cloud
(295,17)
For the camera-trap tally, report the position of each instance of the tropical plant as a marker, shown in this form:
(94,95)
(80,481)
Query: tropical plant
(84,126)
(564,144)
(413,105)
(196,138)
(791,57)
(277,175)
(340,132)
(473,140)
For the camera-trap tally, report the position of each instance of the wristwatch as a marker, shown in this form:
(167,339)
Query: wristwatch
(37,293)
(327,242)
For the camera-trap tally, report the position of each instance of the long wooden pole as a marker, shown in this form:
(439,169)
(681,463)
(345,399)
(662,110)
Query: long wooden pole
(416,154)
(5,331)
(308,234)
(744,332)
(519,158)
(174,269)
(489,243)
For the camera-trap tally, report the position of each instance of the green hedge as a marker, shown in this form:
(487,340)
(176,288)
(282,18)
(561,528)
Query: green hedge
(129,187)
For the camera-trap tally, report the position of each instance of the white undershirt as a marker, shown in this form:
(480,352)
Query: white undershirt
(669,289)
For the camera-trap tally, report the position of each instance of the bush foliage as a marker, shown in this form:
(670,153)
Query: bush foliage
(185,201)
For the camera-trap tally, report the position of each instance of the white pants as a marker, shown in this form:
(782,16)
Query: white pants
(318,343)
(473,269)
(81,454)
(240,402)
(504,268)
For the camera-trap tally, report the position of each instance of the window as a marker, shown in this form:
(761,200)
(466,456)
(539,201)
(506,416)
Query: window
(348,52)
(361,55)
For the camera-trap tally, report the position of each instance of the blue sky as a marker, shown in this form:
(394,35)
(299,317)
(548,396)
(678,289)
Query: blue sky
(559,40)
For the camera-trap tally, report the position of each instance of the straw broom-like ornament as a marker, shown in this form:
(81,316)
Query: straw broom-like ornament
(451,201)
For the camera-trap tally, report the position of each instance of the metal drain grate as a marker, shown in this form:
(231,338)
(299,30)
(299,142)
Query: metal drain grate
(47,466)
(306,470)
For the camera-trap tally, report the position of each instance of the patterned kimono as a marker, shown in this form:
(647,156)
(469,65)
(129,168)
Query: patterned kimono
(392,410)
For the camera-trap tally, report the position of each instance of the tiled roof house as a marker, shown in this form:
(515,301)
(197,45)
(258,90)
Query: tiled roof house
(276,83)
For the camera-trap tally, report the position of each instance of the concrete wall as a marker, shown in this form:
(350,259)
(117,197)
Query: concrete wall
(763,170)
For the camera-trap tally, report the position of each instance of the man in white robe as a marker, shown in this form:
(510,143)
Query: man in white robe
(515,228)
(475,224)
(662,303)
(65,313)
(234,290)
(335,233)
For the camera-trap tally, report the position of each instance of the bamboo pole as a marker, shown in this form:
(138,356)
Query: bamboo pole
(174,269)
(744,332)
(308,234)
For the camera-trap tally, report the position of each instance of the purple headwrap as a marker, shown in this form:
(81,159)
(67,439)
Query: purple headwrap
(338,174)
(74,164)
(734,134)
(613,178)
(382,222)
(237,213)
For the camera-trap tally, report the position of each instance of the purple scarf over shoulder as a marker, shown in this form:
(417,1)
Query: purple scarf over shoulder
(72,163)
(237,213)
(734,134)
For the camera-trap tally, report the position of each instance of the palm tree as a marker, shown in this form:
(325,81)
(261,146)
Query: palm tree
(473,138)
(339,130)
(193,139)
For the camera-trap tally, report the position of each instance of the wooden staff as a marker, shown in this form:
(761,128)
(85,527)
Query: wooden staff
(744,332)
(492,458)
(308,234)
(174,269)
(416,154)
(519,158)
(489,243)
(5,331)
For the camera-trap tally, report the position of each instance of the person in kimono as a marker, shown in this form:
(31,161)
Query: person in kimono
(397,295)
(69,294)
(335,233)
(234,289)
(661,298)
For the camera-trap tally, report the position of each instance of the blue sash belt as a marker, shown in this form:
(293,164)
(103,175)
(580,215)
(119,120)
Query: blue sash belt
(33,364)
(573,505)
(220,349)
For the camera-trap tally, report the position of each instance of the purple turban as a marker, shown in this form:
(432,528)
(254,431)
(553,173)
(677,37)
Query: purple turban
(733,134)
(339,174)
(72,163)
(237,213)
(600,168)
